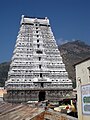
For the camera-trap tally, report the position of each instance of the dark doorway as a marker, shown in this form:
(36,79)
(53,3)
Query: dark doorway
(42,95)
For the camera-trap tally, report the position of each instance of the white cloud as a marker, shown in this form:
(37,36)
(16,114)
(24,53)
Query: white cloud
(73,39)
(61,41)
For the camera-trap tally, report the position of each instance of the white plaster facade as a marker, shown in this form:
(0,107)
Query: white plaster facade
(82,79)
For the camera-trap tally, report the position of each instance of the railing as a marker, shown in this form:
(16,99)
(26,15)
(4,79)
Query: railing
(38,88)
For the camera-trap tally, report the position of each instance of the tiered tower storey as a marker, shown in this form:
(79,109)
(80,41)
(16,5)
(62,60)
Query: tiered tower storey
(37,71)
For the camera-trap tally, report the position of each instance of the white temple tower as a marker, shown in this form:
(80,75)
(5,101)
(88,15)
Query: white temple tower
(37,71)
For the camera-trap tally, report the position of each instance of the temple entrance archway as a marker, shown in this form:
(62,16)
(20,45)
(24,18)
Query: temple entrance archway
(42,95)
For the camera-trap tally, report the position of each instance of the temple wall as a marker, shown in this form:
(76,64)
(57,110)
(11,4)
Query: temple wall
(19,96)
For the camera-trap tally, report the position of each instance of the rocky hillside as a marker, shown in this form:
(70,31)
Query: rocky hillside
(71,52)
(4,67)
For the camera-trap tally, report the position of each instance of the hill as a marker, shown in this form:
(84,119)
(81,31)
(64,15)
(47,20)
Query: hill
(4,67)
(71,52)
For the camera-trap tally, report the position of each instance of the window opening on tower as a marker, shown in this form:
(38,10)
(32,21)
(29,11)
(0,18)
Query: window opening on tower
(39,58)
(40,74)
(36,24)
(36,27)
(39,51)
(39,66)
(37,40)
(42,85)
(38,45)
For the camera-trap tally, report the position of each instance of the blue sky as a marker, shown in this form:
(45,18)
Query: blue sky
(69,19)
